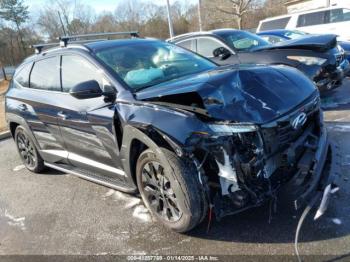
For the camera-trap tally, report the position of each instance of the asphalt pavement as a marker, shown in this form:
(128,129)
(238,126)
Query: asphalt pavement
(59,214)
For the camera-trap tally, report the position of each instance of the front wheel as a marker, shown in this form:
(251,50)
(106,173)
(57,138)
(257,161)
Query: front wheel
(27,151)
(171,190)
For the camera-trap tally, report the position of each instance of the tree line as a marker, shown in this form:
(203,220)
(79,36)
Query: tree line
(19,29)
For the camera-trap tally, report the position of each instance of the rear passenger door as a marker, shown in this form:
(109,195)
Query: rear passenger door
(39,101)
(87,124)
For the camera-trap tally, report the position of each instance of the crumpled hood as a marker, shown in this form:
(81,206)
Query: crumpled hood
(254,94)
(312,42)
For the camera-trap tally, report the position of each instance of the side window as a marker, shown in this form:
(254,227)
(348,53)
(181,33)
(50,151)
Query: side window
(75,70)
(316,18)
(206,46)
(273,38)
(22,76)
(275,24)
(186,44)
(339,15)
(46,74)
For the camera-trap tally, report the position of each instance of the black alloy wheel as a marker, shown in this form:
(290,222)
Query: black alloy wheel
(170,189)
(27,151)
(157,188)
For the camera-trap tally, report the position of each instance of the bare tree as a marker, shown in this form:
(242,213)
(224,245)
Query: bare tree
(237,8)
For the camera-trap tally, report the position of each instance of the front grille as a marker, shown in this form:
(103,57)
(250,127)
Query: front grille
(279,136)
(288,134)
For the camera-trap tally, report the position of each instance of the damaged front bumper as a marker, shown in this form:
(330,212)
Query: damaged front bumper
(249,175)
(323,176)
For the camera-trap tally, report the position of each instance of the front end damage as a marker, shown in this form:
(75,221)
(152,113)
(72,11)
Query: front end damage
(243,166)
(251,131)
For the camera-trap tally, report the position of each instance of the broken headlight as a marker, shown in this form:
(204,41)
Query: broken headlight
(308,60)
(228,129)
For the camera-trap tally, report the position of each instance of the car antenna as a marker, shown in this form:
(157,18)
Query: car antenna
(64,30)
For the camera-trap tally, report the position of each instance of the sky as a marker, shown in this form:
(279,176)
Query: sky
(99,5)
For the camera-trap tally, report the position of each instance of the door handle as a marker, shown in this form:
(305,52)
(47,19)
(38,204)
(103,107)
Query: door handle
(22,107)
(62,115)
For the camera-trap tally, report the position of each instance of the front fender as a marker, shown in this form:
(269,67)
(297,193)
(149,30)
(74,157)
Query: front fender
(130,134)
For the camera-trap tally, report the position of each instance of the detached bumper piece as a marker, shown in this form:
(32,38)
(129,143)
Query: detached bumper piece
(323,177)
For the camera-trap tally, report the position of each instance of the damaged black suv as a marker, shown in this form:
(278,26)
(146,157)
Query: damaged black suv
(145,116)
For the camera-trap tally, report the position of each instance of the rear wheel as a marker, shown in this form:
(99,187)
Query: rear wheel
(27,151)
(171,190)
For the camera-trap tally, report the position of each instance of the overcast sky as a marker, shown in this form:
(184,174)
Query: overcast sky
(99,5)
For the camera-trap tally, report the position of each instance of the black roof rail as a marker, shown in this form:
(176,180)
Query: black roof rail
(65,39)
(39,47)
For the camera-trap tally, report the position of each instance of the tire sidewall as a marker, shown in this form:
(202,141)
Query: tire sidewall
(37,166)
(184,223)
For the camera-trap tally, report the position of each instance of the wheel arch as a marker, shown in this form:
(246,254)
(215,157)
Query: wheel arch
(13,126)
(136,140)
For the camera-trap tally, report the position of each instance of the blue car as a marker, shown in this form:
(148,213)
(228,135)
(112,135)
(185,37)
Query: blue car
(280,35)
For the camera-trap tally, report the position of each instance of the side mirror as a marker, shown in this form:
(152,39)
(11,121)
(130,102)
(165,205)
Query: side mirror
(222,52)
(86,90)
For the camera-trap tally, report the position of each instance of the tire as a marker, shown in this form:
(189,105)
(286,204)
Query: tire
(177,201)
(27,151)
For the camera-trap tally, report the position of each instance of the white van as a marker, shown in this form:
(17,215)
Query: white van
(331,20)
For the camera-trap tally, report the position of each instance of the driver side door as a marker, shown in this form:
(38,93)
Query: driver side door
(87,124)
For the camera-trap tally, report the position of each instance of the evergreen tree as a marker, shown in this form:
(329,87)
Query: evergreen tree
(16,12)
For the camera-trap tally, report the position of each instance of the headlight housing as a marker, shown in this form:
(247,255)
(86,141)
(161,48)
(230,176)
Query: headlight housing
(229,129)
(308,60)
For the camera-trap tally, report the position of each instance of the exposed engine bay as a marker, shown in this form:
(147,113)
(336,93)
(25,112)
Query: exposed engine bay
(244,169)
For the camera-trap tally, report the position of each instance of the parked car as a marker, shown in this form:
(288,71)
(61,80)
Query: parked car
(145,116)
(319,57)
(330,20)
(276,36)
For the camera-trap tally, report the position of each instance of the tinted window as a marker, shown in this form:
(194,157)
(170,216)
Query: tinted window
(242,41)
(294,34)
(46,74)
(206,46)
(340,15)
(273,38)
(186,44)
(142,64)
(22,76)
(76,70)
(316,18)
(275,24)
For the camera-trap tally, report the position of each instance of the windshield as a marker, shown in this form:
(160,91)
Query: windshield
(242,41)
(144,64)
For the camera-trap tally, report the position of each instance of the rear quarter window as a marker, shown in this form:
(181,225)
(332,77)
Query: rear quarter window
(22,75)
(275,24)
(46,74)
